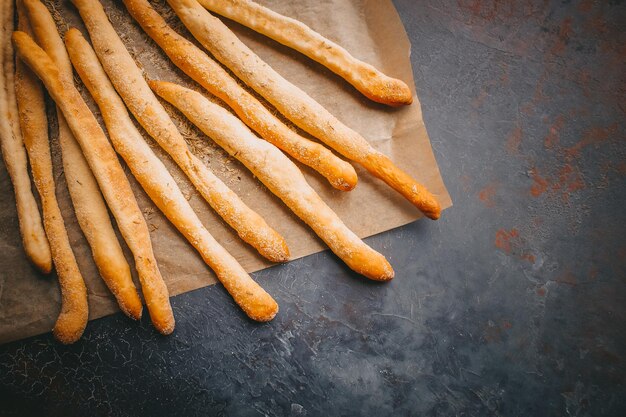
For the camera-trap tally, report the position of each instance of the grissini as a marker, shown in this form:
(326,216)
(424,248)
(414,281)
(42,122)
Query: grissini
(159,184)
(281,176)
(31,228)
(34,125)
(209,74)
(91,211)
(292,33)
(109,174)
(132,87)
(296,105)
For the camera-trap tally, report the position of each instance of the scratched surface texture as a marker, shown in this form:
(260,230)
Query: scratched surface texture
(513,304)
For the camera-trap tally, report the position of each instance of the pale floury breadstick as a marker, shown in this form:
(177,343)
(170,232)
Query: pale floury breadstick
(34,125)
(279,174)
(208,73)
(296,105)
(31,228)
(131,86)
(292,33)
(109,174)
(159,184)
(91,211)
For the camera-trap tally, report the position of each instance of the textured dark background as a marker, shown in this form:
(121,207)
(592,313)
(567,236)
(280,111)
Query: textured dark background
(512,304)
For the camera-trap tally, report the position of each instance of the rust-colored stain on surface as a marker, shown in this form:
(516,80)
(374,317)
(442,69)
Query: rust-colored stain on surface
(487,194)
(514,140)
(554,132)
(503,239)
(565,32)
(593,136)
(567,278)
(511,243)
(566,181)
(540,184)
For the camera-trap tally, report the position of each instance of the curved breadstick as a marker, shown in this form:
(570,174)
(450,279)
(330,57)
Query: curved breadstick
(159,184)
(109,174)
(34,123)
(91,211)
(131,86)
(33,236)
(368,80)
(281,176)
(296,105)
(209,74)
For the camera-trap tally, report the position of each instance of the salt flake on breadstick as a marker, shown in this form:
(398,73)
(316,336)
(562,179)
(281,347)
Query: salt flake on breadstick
(142,103)
(109,174)
(209,74)
(281,176)
(296,105)
(31,228)
(159,184)
(34,125)
(91,211)
(292,33)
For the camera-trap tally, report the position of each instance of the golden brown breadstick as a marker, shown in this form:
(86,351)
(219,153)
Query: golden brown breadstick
(33,236)
(91,211)
(209,74)
(290,32)
(296,105)
(34,123)
(131,86)
(159,184)
(280,176)
(109,174)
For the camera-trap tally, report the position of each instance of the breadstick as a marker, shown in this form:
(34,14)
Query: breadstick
(281,176)
(159,184)
(296,105)
(131,86)
(290,32)
(209,74)
(109,174)
(33,236)
(34,123)
(91,211)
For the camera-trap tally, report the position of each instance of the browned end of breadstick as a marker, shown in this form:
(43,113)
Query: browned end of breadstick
(389,91)
(402,182)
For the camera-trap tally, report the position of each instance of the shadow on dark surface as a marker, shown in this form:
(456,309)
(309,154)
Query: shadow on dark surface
(511,304)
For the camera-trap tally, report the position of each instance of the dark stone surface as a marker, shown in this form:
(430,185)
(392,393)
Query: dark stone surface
(512,304)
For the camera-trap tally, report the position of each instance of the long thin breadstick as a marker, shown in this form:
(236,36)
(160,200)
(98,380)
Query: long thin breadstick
(33,236)
(209,74)
(131,86)
(296,105)
(91,211)
(279,174)
(109,174)
(159,184)
(34,123)
(290,32)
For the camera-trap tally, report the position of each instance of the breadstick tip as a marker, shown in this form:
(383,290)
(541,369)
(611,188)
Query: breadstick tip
(70,326)
(38,253)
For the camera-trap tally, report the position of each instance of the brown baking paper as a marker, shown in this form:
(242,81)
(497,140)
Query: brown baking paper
(370,29)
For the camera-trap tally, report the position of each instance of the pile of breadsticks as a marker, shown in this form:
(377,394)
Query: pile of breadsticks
(36,58)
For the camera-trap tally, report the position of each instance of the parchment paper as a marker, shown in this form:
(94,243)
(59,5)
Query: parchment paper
(370,29)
